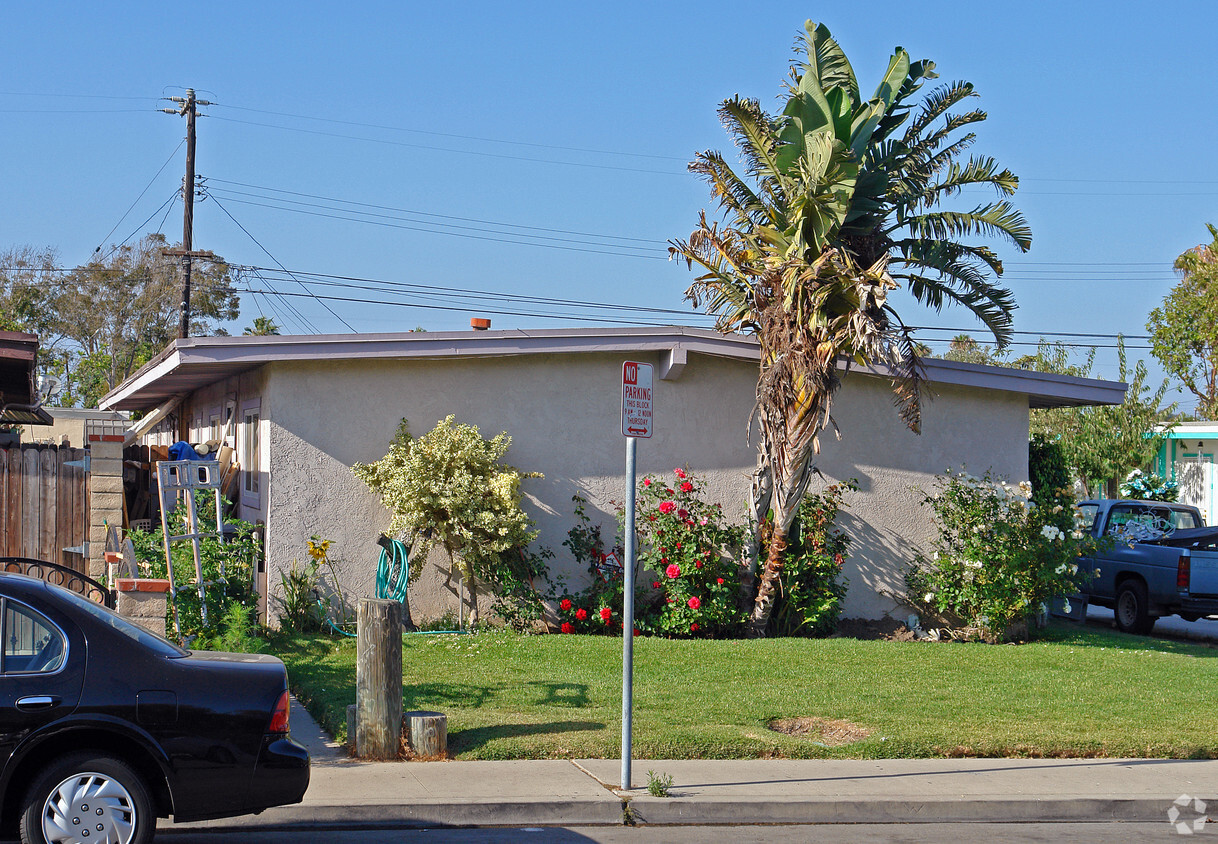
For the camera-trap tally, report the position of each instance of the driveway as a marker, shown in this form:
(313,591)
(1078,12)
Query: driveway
(1205,630)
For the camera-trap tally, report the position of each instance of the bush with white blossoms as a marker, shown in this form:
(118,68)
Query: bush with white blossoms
(997,557)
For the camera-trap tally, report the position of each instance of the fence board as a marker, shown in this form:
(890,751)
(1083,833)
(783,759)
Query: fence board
(48,500)
(43,503)
(30,511)
(12,515)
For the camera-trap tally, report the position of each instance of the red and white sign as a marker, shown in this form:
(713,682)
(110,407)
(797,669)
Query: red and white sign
(636,399)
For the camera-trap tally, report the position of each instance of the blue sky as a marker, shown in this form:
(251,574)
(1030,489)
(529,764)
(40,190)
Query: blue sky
(538,150)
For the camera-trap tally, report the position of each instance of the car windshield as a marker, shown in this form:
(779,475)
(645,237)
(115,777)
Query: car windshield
(109,617)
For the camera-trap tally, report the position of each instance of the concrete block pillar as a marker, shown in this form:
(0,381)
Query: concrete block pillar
(105,496)
(143,600)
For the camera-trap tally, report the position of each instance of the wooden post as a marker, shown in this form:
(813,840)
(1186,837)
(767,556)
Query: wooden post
(378,679)
(426,734)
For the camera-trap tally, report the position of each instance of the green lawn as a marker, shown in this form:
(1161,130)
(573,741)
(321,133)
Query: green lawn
(1072,692)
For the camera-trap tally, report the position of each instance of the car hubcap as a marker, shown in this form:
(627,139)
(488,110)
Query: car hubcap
(88,808)
(1128,609)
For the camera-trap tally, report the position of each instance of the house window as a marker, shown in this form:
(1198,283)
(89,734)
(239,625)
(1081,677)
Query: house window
(251,453)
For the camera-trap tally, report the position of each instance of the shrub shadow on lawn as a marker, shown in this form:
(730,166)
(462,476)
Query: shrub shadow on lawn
(422,695)
(461,741)
(1093,635)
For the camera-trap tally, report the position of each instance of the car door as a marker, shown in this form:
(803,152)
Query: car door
(41,672)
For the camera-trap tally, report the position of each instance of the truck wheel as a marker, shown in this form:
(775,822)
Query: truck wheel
(85,797)
(1132,610)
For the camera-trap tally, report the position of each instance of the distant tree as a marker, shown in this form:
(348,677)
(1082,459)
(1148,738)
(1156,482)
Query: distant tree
(1184,329)
(27,274)
(99,322)
(263,326)
(965,349)
(1102,444)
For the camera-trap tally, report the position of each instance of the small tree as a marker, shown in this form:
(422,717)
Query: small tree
(1184,329)
(449,487)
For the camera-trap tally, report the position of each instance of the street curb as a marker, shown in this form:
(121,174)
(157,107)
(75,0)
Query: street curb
(675,811)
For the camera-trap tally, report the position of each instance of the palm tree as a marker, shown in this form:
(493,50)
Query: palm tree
(834,209)
(263,326)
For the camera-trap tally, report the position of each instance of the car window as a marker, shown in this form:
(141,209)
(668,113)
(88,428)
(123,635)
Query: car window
(128,628)
(32,644)
(1149,520)
(1088,513)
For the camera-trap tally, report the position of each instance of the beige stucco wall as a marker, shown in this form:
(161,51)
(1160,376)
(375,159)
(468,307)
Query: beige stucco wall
(563,412)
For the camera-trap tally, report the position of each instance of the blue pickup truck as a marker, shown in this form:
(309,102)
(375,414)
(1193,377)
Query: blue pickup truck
(1161,560)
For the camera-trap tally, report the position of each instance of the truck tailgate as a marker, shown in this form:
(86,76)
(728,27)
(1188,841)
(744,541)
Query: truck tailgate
(1204,573)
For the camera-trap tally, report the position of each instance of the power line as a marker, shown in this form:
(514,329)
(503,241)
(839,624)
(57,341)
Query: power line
(430,213)
(457,136)
(482,153)
(1041,333)
(141,196)
(276,260)
(385,224)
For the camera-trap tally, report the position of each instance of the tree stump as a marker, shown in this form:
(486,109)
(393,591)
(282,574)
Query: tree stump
(426,734)
(378,679)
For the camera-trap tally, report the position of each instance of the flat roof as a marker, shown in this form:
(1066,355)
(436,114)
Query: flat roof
(190,364)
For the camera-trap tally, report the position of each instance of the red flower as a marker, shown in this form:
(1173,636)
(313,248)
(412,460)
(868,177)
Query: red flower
(581,613)
(680,473)
(646,481)
(655,584)
(719,581)
(669,490)
(668,600)
(837,558)
(697,564)
(567,627)
(693,628)
(667,507)
(673,571)
(565,605)
(682,513)
(687,487)
(636,631)
(606,614)
(678,546)
(694,602)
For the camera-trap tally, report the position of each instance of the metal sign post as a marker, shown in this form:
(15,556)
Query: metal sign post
(636,423)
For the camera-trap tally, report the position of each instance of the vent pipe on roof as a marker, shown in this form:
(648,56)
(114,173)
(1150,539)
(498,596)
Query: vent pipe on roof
(479,324)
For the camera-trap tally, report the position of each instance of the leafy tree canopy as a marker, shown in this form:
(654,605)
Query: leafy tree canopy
(1184,329)
(100,321)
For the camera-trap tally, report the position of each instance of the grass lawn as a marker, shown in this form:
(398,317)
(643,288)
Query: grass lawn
(1072,692)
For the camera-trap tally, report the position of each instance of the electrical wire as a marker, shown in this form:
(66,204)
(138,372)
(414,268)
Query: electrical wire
(430,213)
(276,260)
(498,155)
(141,196)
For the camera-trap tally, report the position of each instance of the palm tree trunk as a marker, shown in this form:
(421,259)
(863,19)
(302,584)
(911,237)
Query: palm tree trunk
(767,588)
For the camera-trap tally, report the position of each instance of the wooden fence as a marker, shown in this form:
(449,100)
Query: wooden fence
(44,505)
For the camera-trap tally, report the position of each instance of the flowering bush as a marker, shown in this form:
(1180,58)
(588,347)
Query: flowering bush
(812,586)
(1148,487)
(998,556)
(688,543)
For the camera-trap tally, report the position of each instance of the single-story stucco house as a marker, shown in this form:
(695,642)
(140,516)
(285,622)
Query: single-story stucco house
(308,407)
(1187,457)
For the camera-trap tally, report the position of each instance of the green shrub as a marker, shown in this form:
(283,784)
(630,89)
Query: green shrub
(997,558)
(812,586)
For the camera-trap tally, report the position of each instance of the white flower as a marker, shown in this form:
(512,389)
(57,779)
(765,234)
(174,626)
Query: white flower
(928,597)
(1066,607)
(1051,533)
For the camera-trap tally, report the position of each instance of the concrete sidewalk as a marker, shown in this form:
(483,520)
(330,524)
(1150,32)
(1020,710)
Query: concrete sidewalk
(346,793)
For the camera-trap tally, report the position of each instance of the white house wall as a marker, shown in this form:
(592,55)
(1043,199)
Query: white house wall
(563,413)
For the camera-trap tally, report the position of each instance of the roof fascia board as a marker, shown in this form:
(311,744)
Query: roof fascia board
(147,375)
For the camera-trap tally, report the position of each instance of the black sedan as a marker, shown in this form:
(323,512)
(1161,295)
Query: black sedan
(105,726)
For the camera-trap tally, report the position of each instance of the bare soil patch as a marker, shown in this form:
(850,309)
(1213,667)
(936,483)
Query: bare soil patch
(829,731)
(888,629)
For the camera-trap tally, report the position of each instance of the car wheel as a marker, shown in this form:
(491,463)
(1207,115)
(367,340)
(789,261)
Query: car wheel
(84,799)
(1132,608)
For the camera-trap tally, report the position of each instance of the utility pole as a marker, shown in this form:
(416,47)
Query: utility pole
(189,108)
